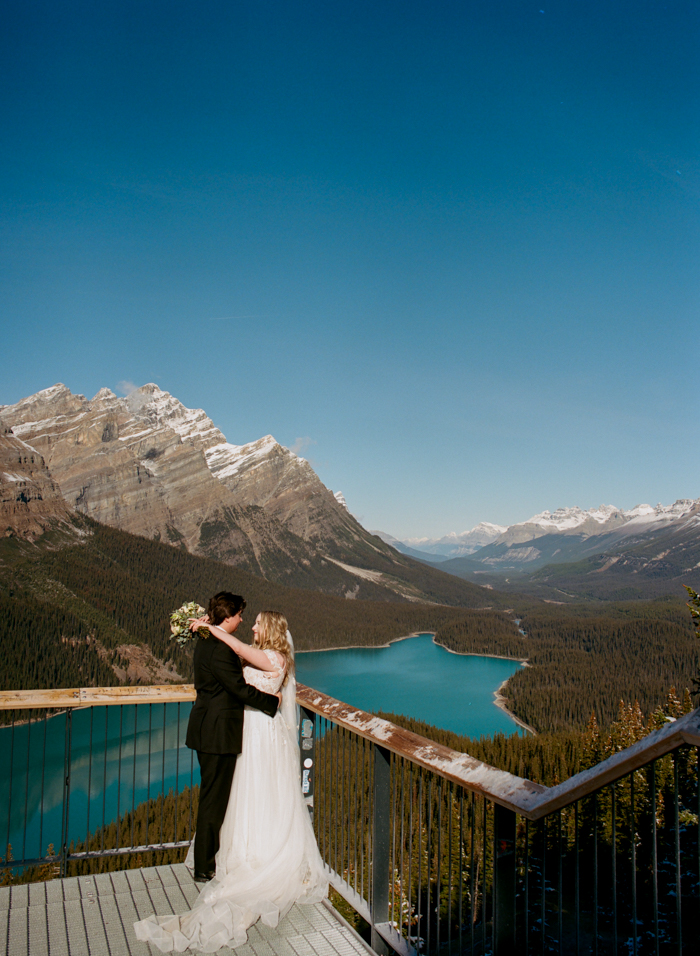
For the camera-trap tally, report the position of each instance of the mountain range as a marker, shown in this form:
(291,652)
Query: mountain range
(601,552)
(148,465)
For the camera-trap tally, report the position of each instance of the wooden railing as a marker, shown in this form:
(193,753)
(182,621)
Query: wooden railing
(437,850)
(55,699)
(527,799)
(524,797)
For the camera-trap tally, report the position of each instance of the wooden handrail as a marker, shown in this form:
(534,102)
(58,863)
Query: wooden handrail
(94,696)
(529,799)
(524,797)
(504,788)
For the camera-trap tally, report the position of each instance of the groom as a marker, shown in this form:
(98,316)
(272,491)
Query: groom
(215,728)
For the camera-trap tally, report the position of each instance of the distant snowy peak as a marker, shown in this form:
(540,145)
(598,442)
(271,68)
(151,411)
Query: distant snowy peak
(340,498)
(643,514)
(456,545)
(486,528)
(608,516)
(565,519)
(574,520)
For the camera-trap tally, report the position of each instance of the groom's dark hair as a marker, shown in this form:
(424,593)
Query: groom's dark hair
(223,605)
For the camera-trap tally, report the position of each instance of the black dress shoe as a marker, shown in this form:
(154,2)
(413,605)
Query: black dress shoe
(204,877)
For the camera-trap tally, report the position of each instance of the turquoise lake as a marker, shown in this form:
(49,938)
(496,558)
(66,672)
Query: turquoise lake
(121,756)
(419,679)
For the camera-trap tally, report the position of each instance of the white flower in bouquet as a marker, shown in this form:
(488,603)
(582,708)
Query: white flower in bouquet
(180,622)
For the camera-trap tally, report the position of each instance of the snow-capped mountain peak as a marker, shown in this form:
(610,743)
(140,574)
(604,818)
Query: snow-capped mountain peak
(150,465)
(573,520)
(566,519)
(486,528)
(160,408)
(645,514)
(225,460)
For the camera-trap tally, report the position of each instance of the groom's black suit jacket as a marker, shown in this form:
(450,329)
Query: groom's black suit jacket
(216,720)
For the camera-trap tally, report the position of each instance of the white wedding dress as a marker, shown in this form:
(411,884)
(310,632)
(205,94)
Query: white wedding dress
(268,857)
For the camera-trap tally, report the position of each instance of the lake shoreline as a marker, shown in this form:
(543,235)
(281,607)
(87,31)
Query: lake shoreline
(498,698)
(366,647)
(501,702)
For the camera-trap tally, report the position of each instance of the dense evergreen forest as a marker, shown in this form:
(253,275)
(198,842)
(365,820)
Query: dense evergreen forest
(584,659)
(66,614)
(69,613)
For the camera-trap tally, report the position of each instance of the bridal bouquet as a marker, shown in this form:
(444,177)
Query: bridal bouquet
(180,622)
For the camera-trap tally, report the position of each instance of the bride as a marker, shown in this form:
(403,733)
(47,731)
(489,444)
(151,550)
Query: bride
(268,858)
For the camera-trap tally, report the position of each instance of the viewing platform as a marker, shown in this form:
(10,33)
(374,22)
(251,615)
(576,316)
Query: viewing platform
(94,916)
(437,852)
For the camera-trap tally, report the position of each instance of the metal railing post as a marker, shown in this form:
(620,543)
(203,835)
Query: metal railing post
(504,872)
(66,791)
(381,845)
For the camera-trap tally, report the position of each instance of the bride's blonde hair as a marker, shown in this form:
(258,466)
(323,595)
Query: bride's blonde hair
(272,635)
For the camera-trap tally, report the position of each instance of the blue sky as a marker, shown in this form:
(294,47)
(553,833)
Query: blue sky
(451,246)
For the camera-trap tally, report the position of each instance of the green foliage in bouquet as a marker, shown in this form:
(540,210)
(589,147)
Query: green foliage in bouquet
(180,622)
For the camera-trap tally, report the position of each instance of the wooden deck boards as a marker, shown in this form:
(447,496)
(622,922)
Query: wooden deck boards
(94,916)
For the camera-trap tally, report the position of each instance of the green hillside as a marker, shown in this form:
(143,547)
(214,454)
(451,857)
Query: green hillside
(69,609)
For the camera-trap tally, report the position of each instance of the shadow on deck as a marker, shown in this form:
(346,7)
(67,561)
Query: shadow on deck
(94,916)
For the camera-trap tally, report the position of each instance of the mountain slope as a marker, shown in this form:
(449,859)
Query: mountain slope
(89,604)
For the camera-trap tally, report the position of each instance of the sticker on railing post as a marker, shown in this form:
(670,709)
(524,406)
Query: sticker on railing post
(306,747)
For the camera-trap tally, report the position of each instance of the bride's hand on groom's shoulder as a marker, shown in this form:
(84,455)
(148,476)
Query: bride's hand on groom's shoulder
(196,622)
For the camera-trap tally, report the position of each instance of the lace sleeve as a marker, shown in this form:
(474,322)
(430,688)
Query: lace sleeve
(278,660)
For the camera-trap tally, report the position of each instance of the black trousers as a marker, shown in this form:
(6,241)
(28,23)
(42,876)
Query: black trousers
(215,789)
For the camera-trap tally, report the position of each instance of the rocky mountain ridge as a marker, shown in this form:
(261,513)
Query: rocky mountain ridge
(602,520)
(597,553)
(148,465)
(651,554)
(30,500)
(573,534)
(596,521)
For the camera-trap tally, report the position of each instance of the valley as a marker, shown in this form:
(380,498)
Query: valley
(600,555)
(92,608)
